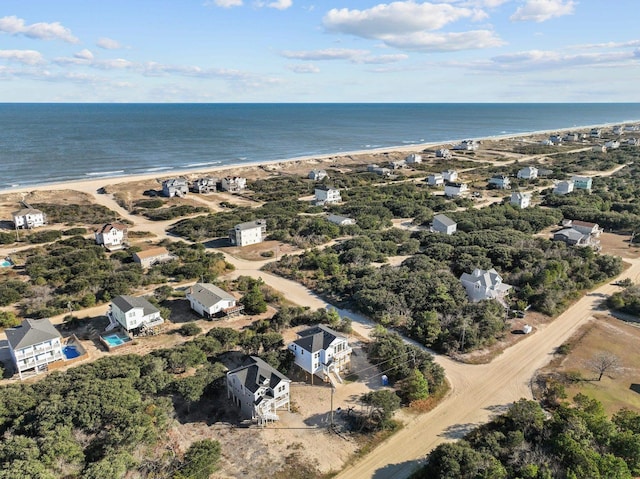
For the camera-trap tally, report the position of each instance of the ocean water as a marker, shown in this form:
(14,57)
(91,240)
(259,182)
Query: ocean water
(48,143)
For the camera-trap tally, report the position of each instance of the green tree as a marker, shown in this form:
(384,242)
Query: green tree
(200,460)
(253,301)
(414,387)
(381,405)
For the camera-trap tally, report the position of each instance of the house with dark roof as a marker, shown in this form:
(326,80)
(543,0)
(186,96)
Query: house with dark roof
(208,300)
(258,390)
(134,314)
(484,284)
(34,345)
(322,352)
(112,236)
(574,237)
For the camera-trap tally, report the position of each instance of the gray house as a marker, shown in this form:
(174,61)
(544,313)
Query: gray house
(205,185)
(34,345)
(175,187)
(258,390)
(484,284)
(208,300)
(318,175)
(443,224)
(250,232)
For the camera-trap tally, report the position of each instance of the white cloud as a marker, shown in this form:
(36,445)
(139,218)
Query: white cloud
(280,4)
(108,43)
(589,46)
(354,56)
(444,42)
(543,10)
(27,57)
(224,3)
(42,31)
(394,18)
(304,68)
(84,55)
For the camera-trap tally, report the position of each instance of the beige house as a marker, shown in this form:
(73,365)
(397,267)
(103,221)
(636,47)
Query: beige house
(151,256)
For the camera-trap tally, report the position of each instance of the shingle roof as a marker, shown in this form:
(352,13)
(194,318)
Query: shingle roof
(486,278)
(109,226)
(151,252)
(316,338)
(570,234)
(31,332)
(127,303)
(445,220)
(248,225)
(208,294)
(27,211)
(255,373)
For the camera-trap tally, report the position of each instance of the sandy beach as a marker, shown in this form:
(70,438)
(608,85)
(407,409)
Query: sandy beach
(91,185)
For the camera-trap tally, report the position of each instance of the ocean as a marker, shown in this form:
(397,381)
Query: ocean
(51,143)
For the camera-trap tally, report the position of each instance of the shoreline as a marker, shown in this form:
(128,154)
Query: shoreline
(91,185)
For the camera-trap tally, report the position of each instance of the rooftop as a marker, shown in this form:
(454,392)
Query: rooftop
(31,332)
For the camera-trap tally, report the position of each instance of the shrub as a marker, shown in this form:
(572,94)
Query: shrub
(190,329)
(75,231)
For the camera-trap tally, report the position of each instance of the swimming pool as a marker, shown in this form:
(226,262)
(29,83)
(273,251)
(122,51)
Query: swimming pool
(5,263)
(70,352)
(115,339)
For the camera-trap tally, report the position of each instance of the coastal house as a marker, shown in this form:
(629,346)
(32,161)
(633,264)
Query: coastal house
(455,189)
(322,352)
(599,149)
(413,159)
(205,185)
(435,179)
(341,220)
(563,187)
(318,175)
(582,182)
(443,224)
(250,232)
(555,139)
(397,164)
(571,137)
(484,284)
(501,182)
(258,390)
(151,256)
(209,301)
(612,145)
(467,145)
(134,314)
(573,237)
(595,133)
(33,345)
(450,175)
(547,142)
(112,236)
(175,187)
(618,130)
(234,184)
(378,170)
(520,199)
(584,227)
(633,142)
(443,153)
(28,218)
(528,173)
(632,128)
(327,195)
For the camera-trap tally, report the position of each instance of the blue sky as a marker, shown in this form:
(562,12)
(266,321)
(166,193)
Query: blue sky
(319,51)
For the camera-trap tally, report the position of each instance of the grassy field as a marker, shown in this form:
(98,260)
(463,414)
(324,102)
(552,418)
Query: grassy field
(606,334)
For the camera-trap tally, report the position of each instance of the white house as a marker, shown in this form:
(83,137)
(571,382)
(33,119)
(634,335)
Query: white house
(563,187)
(208,300)
(234,184)
(318,175)
(599,149)
(205,185)
(633,142)
(112,236)
(250,232)
(467,145)
(450,175)
(455,189)
(28,218)
(582,182)
(573,237)
(595,133)
(546,142)
(327,195)
(528,173)
(378,170)
(571,137)
(618,130)
(502,182)
(435,179)
(175,187)
(555,139)
(151,256)
(443,224)
(521,199)
(341,220)
(34,345)
(134,314)
(443,153)
(322,352)
(612,145)
(413,159)
(484,284)
(584,227)
(258,390)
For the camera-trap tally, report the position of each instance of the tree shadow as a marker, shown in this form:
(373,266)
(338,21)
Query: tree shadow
(218,243)
(400,469)
(498,409)
(458,431)
(635,387)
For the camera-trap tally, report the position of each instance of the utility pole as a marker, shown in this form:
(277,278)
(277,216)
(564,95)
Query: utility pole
(331,413)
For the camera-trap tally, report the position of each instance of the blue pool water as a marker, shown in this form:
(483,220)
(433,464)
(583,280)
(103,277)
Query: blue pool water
(5,263)
(114,340)
(70,352)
